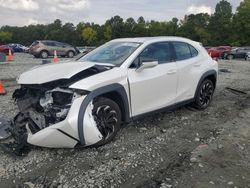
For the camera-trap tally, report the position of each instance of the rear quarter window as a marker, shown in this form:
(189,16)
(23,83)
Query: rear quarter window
(193,51)
(184,51)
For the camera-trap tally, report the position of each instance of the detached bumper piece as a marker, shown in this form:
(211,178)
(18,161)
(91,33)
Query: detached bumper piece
(18,144)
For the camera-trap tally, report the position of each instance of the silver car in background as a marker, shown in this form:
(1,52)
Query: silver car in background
(46,48)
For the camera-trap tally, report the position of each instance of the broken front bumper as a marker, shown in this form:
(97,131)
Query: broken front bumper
(65,134)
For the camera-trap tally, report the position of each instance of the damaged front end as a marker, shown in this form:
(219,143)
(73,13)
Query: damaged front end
(39,108)
(48,115)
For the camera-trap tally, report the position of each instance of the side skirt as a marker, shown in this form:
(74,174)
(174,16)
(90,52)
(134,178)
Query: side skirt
(165,109)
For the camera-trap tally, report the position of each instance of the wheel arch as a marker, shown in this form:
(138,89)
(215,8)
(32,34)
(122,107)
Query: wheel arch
(211,75)
(115,92)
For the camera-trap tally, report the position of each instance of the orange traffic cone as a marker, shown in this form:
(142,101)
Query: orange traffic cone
(10,56)
(55,59)
(2,90)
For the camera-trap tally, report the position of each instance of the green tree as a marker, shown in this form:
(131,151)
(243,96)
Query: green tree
(241,24)
(5,37)
(141,28)
(195,28)
(129,27)
(108,33)
(117,26)
(89,35)
(220,25)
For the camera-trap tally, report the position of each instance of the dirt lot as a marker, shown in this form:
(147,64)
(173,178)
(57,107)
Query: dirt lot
(183,148)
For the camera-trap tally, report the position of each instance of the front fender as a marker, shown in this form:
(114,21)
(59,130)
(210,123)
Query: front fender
(102,90)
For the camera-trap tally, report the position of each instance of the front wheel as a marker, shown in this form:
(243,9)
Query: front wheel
(44,54)
(107,115)
(204,94)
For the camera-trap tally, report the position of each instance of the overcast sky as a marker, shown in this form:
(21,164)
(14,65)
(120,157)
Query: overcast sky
(24,12)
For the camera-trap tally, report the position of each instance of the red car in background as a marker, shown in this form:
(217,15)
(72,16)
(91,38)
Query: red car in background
(217,52)
(5,49)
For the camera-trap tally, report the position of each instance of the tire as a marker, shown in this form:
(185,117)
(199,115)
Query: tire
(230,56)
(44,54)
(70,54)
(204,95)
(106,110)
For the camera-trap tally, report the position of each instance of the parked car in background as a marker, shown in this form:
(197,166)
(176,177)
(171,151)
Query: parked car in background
(240,52)
(207,47)
(46,48)
(247,58)
(218,52)
(5,49)
(85,49)
(18,47)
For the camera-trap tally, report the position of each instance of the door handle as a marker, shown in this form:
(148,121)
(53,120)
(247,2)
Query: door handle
(171,72)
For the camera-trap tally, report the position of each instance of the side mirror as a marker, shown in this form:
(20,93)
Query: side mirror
(146,65)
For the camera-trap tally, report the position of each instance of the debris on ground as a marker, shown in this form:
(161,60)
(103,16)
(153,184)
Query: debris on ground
(225,70)
(236,91)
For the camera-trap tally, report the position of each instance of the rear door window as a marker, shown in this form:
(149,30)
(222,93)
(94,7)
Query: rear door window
(49,43)
(182,51)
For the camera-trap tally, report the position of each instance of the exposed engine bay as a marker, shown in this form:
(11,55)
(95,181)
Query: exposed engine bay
(40,108)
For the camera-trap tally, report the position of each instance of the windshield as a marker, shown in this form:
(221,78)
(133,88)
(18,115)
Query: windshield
(114,53)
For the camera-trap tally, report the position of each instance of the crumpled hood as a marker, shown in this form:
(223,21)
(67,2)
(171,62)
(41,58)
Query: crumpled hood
(51,72)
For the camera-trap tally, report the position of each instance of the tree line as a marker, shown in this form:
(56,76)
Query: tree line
(221,28)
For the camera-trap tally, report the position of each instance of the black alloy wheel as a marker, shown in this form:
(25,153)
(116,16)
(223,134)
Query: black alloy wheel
(204,95)
(107,116)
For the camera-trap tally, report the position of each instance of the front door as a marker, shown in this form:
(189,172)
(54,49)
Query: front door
(153,88)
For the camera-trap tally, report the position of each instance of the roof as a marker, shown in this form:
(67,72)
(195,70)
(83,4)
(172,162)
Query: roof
(149,39)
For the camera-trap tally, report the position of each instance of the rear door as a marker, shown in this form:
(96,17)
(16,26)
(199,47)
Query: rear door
(189,67)
(50,47)
(60,48)
(153,88)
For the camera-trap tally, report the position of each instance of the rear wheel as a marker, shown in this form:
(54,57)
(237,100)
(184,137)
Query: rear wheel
(204,94)
(70,54)
(107,115)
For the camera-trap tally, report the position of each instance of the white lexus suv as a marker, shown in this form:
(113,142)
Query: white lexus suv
(83,103)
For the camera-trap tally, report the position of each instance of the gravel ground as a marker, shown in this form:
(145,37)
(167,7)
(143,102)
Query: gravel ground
(182,148)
